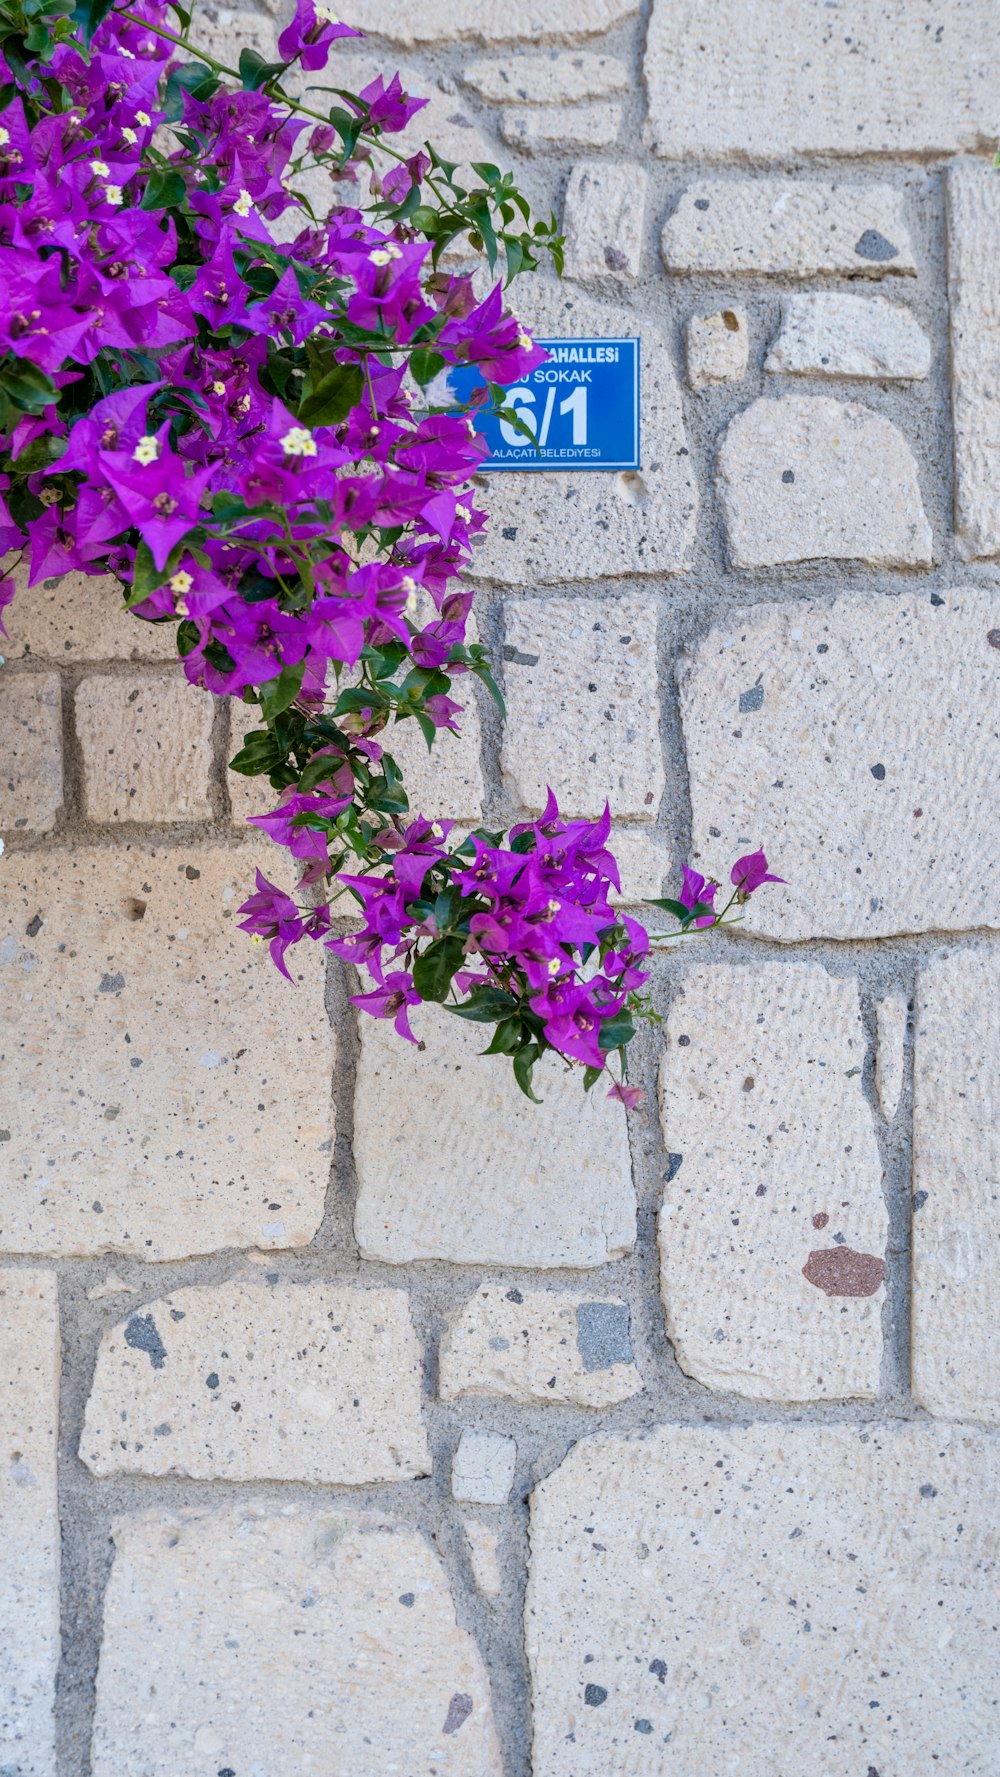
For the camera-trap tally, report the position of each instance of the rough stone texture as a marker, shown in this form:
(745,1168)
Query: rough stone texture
(495,21)
(890,1045)
(858,739)
(539,129)
(455,1163)
(29,1521)
(112,1285)
(482,1472)
(224,31)
(146,742)
(303,1639)
(483,1544)
(580,719)
(603,219)
(643,864)
(808,1599)
(262,1381)
(973,247)
(878,77)
(142,1035)
(80,617)
(540,1345)
(774,1161)
(956,1176)
(804,477)
(551,79)
(31,764)
(795,227)
(552,528)
(827,333)
(718,347)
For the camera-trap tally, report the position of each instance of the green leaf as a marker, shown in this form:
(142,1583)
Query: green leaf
(425,365)
(259,756)
(255,72)
(30,390)
(435,969)
(190,77)
(486,1004)
(333,397)
(282,691)
(591,1075)
(165,190)
(524,1063)
(677,908)
(88,14)
(506,1038)
(616,1032)
(40,454)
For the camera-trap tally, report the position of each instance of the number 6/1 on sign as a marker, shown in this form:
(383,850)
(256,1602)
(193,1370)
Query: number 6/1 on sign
(522,400)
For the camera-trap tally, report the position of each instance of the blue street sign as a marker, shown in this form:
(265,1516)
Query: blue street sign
(582,408)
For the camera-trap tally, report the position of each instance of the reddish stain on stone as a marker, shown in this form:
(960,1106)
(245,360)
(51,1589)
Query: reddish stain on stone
(821,1220)
(839,1271)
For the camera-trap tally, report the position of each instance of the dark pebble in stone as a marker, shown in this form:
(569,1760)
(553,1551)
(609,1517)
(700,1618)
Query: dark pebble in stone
(751,700)
(788,476)
(643,1726)
(878,773)
(928,1491)
(873,245)
(595,1695)
(211,1380)
(514,1296)
(701,203)
(674,1164)
(408,1598)
(919,1199)
(936,599)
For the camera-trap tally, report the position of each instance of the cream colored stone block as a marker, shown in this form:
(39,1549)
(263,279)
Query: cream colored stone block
(146,741)
(31,762)
(795,227)
(167,1092)
(551,79)
(890,1048)
(956,1153)
(547,528)
(261,1381)
(855,741)
(539,129)
(718,347)
(643,866)
(874,77)
(496,21)
(29,1521)
(773,1227)
(482,1471)
(255,1637)
(81,617)
(583,719)
(603,218)
(483,1545)
(807,1599)
(224,31)
(807,478)
(455,1163)
(540,1345)
(826,333)
(973,248)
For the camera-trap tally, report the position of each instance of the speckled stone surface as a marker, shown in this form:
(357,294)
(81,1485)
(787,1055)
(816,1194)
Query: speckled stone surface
(261,1380)
(828,333)
(766,1599)
(773,1226)
(539,1345)
(195,1114)
(339,1652)
(796,227)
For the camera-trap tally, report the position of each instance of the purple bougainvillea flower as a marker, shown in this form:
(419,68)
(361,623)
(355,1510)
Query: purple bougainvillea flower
(311,34)
(698,890)
(7,591)
(273,915)
(629,1096)
(392,1000)
(748,873)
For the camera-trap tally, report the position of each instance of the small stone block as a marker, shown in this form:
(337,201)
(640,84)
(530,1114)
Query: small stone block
(146,741)
(602,219)
(539,129)
(718,347)
(495,21)
(482,1470)
(539,1346)
(826,333)
(794,227)
(551,79)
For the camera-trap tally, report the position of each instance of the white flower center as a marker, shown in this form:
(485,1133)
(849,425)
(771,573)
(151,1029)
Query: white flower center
(147,450)
(299,442)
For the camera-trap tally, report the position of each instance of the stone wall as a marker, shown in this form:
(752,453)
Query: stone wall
(358,1417)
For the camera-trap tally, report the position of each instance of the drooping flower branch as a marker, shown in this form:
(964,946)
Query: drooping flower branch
(234,418)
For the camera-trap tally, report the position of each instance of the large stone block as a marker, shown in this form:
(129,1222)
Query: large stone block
(603,218)
(551,527)
(973,248)
(550,79)
(828,333)
(165,1090)
(773,1226)
(804,477)
(856,741)
(29,1521)
(261,1381)
(956,1168)
(583,717)
(81,617)
(875,77)
(540,1345)
(809,1600)
(455,1163)
(146,742)
(539,129)
(31,758)
(496,21)
(252,1638)
(796,227)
